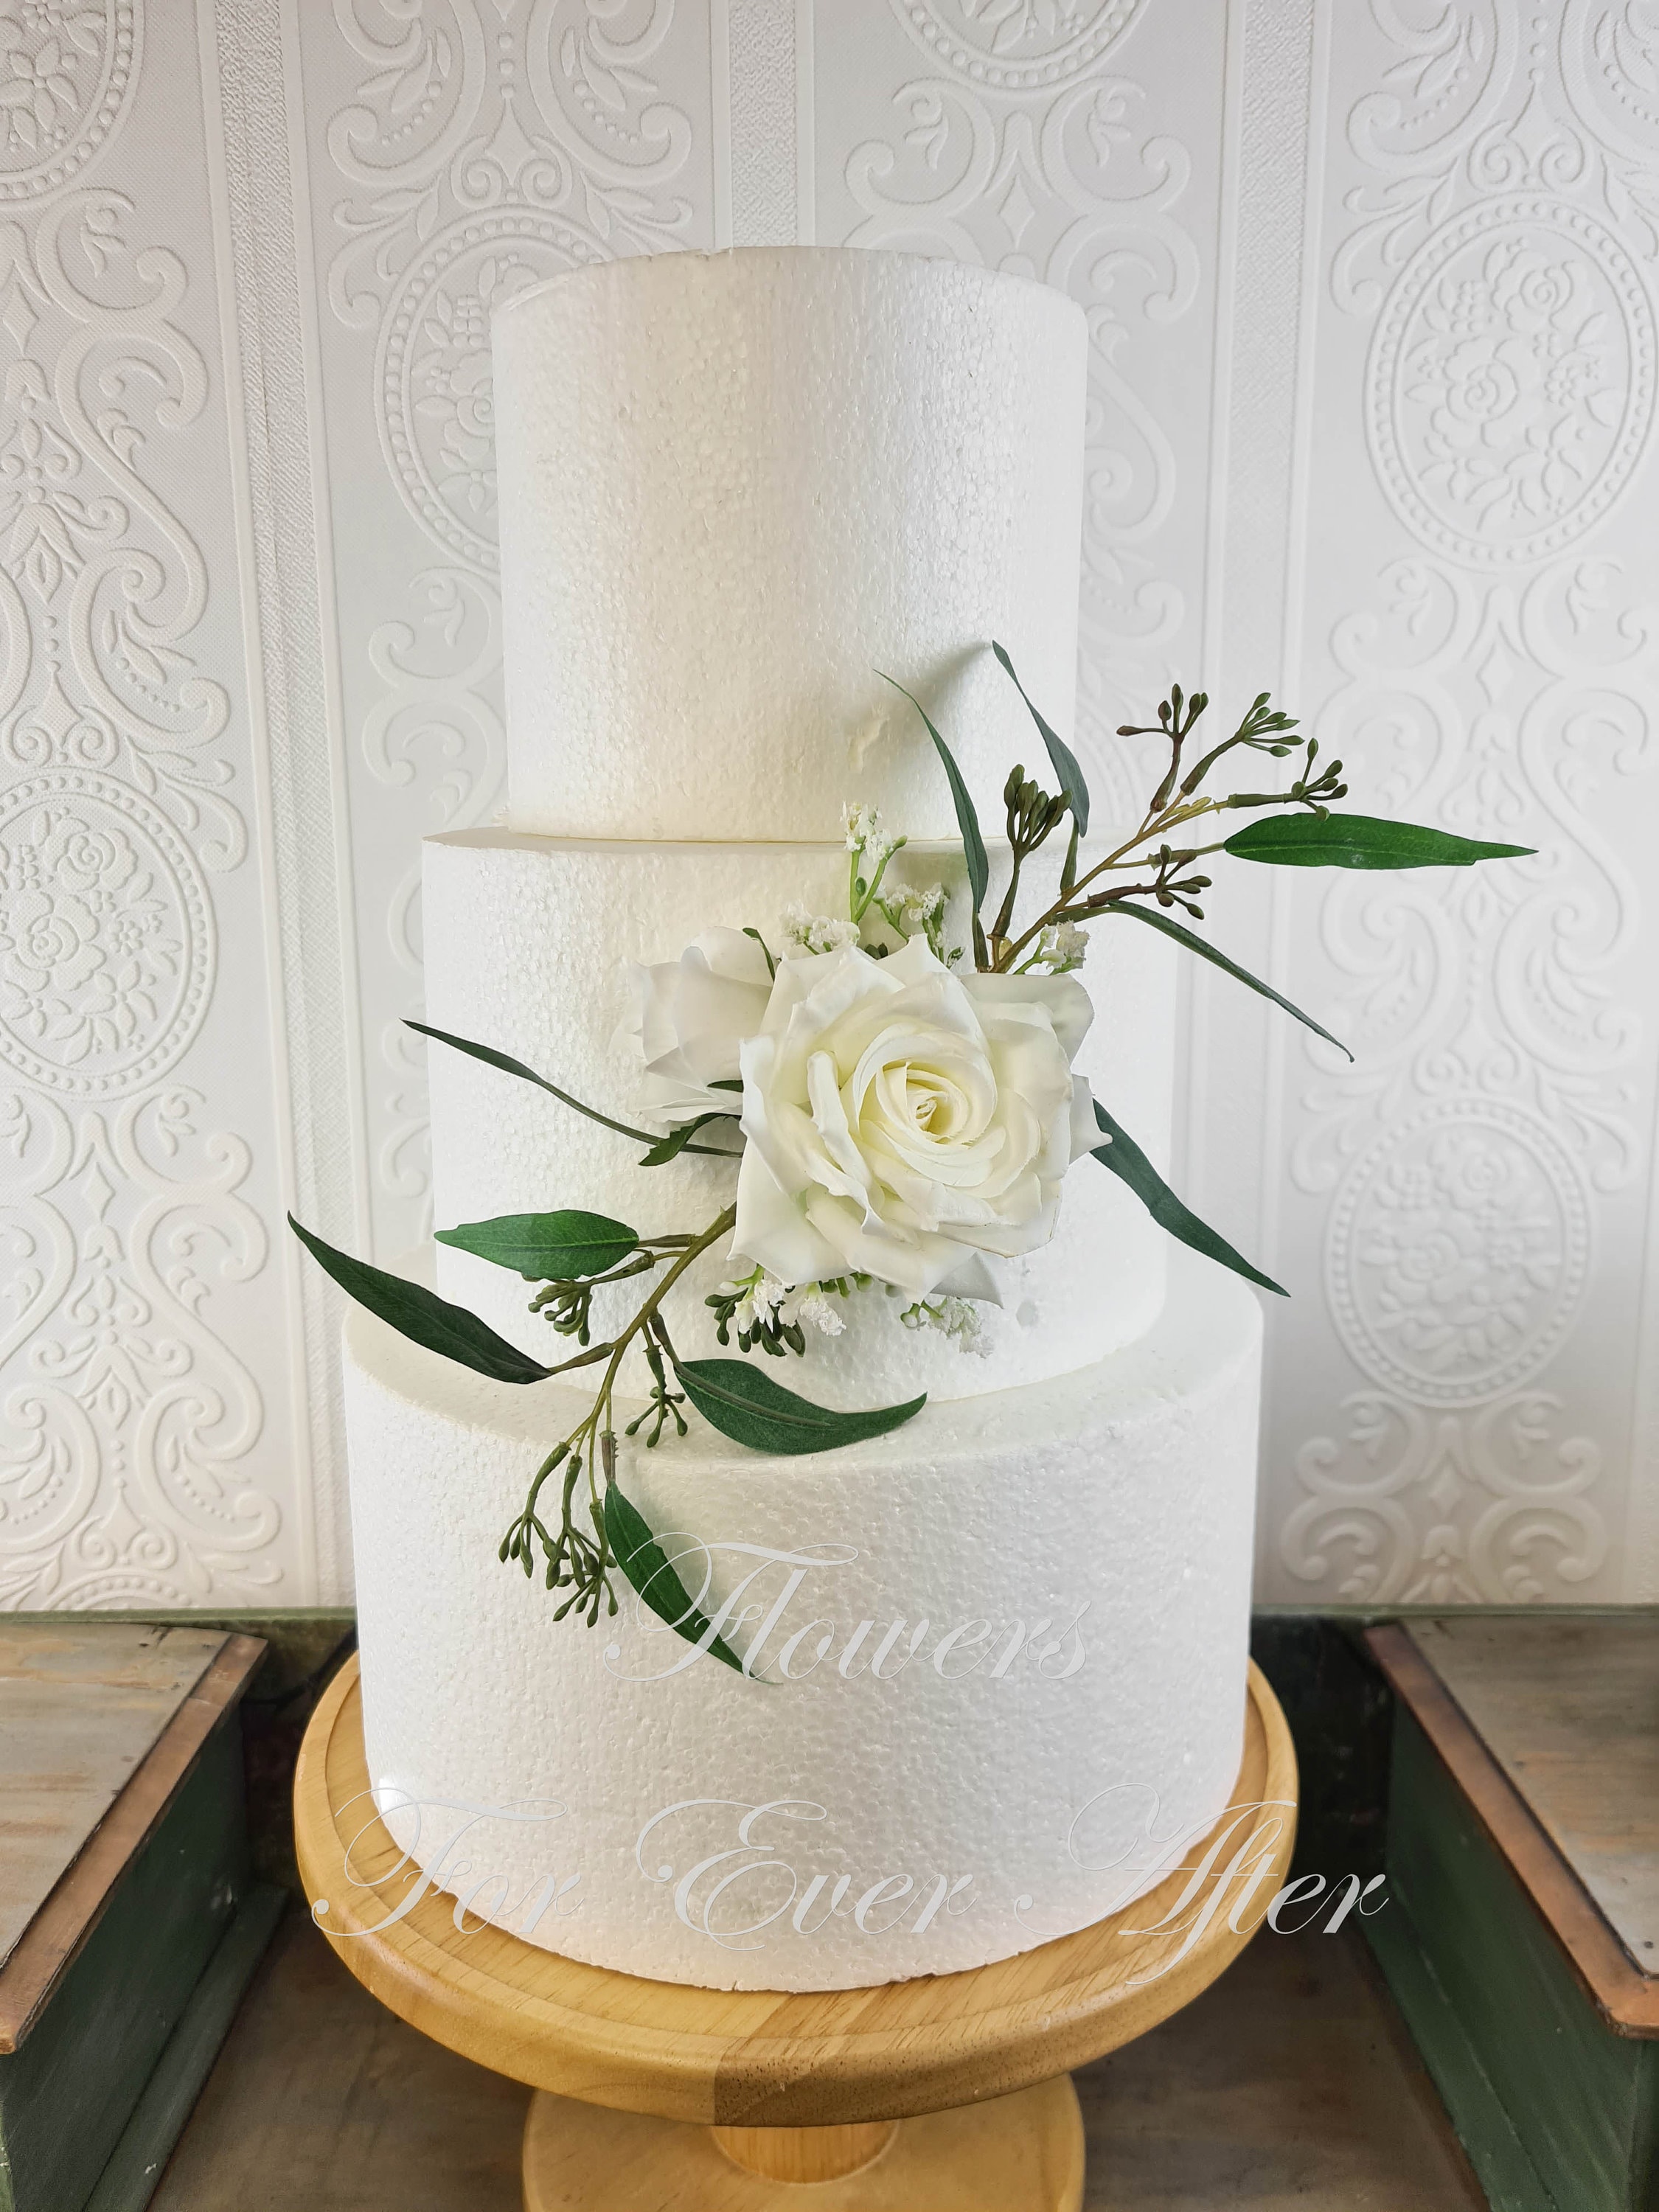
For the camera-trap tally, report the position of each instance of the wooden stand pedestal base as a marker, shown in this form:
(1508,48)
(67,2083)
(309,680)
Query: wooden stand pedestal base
(659,2097)
(1018,2153)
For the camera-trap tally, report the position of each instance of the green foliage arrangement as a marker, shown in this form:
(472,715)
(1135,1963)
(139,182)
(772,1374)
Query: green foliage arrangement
(1151,877)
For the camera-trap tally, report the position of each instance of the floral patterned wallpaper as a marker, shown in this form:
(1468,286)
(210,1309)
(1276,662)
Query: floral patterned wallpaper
(1369,291)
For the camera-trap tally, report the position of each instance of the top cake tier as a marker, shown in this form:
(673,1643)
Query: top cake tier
(733,487)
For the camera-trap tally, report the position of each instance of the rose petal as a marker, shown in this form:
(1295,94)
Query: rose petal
(908,1123)
(773,1230)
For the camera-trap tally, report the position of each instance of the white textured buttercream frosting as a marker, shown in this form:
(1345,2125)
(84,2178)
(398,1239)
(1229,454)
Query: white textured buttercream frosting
(1002,1648)
(529,940)
(733,486)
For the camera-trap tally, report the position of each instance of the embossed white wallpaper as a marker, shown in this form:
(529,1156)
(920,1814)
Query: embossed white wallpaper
(1371,294)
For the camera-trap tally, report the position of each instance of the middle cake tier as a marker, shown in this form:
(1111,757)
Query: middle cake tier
(530,946)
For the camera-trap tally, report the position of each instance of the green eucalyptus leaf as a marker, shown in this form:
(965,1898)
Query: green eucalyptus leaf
(973,844)
(423,1316)
(546,1248)
(1064,761)
(1196,944)
(1359,840)
(679,1141)
(1127,1160)
(648,1568)
(508,1065)
(747,1406)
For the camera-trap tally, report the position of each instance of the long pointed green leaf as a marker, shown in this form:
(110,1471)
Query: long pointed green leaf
(646,1566)
(423,1316)
(747,1406)
(679,1141)
(1359,840)
(1065,762)
(1127,1160)
(546,1248)
(1196,944)
(973,844)
(508,1065)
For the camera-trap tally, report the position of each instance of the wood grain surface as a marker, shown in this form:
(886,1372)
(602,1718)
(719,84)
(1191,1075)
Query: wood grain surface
(80,1703)
(1291,2085)
(1627,1998)
(759,2059)
(1570,1710)
(74,1906)
(1020,2154)
(810,2154)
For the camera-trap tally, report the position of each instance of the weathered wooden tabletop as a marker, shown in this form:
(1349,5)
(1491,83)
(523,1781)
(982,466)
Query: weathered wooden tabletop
(1570,1710)
(1289,2084)
(80,1706)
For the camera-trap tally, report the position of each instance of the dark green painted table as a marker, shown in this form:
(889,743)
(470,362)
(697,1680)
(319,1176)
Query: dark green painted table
(1538,2018)
(129,1920)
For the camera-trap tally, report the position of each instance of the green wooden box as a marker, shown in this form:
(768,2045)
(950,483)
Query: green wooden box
(119,1987)
(1555,2096)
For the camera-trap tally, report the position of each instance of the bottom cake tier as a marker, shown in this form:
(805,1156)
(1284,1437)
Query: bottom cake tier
(995,1665)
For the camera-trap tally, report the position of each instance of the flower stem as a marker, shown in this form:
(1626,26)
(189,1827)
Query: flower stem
(591,1447)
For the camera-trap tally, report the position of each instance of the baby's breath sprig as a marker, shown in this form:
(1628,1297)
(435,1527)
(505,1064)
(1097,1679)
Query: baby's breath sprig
(1061,947)
(776,1315)
(752,1306)
(958,1319)
(870,846)
(908,910)
(815,932)
(920,913)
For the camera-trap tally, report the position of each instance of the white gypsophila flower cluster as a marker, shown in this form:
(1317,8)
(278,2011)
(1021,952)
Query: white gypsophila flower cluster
(919,912)
(959,1319)
(812,1309)
(917,908)
(759,1297)
(868,834)
(763,1301)
(803,930)
(1061,947)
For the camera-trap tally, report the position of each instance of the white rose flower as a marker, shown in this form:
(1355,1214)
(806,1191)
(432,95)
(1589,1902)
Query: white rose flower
(906,1122)
(690,1016)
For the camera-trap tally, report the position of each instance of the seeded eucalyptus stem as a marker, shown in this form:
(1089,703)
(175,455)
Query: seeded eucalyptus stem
(1176,802)
(572,1558)
(572,1252)
(1032,815)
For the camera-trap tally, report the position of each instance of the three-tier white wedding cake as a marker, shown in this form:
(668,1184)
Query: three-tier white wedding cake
(994,1660)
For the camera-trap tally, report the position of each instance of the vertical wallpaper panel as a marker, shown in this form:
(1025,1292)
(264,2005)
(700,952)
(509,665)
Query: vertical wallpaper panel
(148,1453)
(454,152)
(451,153)
(1081,146)
(1373,368)
(1454,1419)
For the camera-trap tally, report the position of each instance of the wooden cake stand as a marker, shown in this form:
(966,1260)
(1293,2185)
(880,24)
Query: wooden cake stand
(950,2094)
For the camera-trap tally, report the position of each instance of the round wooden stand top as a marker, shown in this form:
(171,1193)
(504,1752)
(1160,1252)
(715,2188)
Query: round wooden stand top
(743,2058)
